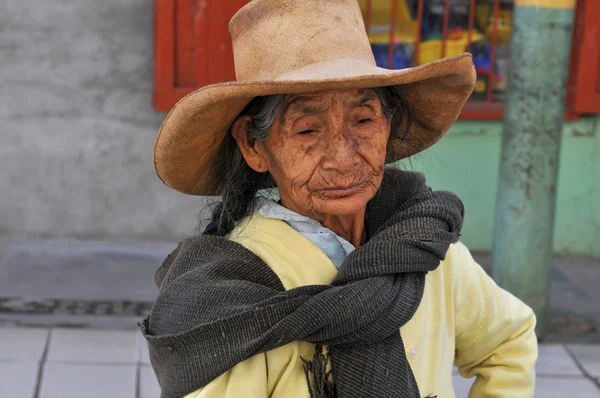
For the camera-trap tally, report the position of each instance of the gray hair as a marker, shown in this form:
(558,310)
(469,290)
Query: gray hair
(263,114)
(238,184)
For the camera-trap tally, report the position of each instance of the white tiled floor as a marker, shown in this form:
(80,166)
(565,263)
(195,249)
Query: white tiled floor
(566,388)
(21,350)
(109,364)
(149,387)
(578,387)
(143,350)
(95,346)
(70,380)
(22,344)
(588,356)
(18,380)
(555,360)
(461,386)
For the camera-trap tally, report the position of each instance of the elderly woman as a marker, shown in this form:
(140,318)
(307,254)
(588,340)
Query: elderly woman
(353,283)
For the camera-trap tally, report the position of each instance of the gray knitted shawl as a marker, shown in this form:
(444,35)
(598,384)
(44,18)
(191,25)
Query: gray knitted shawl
(219,304)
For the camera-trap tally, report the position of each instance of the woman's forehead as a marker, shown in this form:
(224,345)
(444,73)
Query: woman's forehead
(312,102)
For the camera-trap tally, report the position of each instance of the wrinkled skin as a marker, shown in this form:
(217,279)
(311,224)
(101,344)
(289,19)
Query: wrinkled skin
(327,155)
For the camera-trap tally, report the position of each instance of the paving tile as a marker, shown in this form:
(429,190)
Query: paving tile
(18,380)
(545,387)
(566,298)
(588,357)
(22,344)
(143,350)
(67,380)
(582,272)
(77,271)
(555,360)
(561,388)
(149,387)
(462,386)
(93,346)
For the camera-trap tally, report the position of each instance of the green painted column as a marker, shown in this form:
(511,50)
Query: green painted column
(533,120)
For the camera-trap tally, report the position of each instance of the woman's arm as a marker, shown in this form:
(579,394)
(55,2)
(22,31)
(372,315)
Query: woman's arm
(495,337)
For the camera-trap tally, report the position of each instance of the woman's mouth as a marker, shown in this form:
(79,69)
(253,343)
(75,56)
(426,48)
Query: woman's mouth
(341,191)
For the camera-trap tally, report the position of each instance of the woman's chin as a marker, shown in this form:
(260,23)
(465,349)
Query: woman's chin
(339,205)
(344,200)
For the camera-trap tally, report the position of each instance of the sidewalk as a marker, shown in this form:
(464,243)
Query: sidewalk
(77,283)
(74,363)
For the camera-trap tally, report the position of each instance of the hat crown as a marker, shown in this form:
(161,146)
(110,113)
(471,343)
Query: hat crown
(274,37)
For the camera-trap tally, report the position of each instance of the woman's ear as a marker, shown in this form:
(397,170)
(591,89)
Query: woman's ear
(240,130)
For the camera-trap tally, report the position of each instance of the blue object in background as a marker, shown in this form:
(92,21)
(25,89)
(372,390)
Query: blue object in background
(402,55)
(482,53)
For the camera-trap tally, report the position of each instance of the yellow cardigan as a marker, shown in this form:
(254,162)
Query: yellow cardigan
(464,319)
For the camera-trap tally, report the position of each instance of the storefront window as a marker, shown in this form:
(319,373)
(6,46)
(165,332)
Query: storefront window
(427,30)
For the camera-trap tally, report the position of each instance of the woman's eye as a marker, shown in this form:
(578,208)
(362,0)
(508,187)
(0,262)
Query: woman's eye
(306,132)
(364,121)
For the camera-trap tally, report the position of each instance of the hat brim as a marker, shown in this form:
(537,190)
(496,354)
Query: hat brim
(192,133)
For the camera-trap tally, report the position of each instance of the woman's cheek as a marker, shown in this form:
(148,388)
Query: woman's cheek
(374,150)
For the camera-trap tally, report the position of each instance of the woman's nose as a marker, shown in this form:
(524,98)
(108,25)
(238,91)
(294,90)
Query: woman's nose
(342,152)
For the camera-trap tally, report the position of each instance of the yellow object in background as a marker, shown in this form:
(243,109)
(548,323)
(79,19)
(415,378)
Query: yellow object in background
(406,26)
(384,38)
(480,86)
(484,15)
(431,50)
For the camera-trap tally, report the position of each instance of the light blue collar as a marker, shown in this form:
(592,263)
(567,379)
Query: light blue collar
(334,246)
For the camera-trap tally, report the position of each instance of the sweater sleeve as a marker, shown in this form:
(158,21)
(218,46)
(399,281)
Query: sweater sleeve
(495,333)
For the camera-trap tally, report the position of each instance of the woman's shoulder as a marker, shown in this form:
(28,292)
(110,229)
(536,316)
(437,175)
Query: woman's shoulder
(458,254)
(201,252)
(203,275)
(458,264)
(209,253)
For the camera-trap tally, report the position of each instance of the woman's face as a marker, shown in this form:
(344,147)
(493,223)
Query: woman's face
(326,152)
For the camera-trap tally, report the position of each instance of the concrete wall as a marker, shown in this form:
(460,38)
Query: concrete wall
(466,162)
(77,126)
(77,130)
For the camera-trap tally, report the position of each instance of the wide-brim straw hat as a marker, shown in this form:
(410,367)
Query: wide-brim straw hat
(301,46)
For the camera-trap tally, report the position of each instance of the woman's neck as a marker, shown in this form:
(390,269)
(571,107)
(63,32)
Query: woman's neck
(349,226)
